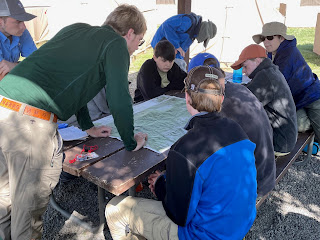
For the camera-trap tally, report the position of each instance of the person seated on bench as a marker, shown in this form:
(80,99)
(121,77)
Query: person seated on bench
(15,39)
(159,74)
(270,87)
(209,188)
(304,85)
(244,108)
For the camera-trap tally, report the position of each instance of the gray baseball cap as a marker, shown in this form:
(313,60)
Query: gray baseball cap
(14,9)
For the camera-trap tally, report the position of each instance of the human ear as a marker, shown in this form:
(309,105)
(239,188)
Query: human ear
(129,34)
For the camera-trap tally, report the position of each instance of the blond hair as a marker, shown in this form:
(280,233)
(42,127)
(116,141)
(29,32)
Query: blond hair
(204,102)
(124,17)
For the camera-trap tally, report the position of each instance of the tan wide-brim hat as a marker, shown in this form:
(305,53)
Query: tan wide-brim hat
(272,29)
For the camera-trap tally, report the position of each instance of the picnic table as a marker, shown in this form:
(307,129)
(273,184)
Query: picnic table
(115,170)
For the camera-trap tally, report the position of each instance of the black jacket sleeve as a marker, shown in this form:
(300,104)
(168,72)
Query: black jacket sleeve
(160,188)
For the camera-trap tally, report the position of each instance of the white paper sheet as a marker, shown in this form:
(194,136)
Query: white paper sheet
(72,133)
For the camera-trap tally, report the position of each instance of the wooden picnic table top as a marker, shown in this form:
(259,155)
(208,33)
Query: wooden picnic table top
(116,169)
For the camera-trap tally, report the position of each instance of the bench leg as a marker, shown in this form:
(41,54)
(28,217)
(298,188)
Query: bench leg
(309,153)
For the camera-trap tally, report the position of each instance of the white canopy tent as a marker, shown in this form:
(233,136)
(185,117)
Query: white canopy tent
(236,20)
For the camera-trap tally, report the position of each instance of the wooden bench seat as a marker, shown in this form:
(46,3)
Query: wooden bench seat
(283,163)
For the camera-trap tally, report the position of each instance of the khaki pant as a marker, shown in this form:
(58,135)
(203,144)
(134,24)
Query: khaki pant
(30,165)
(139,218)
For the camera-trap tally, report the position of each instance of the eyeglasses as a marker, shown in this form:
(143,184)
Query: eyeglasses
(270,38)
(141,42)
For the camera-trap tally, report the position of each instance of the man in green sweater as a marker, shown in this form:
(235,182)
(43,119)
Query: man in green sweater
(57,81)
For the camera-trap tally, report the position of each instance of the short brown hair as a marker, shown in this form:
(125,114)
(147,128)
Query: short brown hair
(124,17)
(204,89)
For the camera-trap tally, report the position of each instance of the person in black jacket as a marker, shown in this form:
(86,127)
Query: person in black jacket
(243,107)
(159,74)
(271,88)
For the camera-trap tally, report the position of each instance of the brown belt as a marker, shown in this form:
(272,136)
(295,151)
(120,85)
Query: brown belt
(28,110)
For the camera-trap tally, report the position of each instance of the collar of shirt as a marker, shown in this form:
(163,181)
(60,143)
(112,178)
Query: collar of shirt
(6,41)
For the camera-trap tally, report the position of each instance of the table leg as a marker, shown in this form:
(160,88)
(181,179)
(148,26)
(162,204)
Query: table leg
(102,206)
(132,191)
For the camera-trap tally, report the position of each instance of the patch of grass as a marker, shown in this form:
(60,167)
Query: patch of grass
(139,59)
(305,41)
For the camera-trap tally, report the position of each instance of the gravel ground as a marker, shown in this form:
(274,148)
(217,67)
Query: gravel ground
(292,211)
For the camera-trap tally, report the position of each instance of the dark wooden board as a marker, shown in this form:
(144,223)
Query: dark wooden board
(106,147)
(122,170)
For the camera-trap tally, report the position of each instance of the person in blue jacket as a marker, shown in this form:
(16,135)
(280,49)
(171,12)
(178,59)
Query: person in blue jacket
(15,39)
(304,85)
(209,188)
(181,30)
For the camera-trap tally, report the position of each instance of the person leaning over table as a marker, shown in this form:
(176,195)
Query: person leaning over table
(57,81)
(15,39)
(242,106)
(159,74)
(181,30)
(209,188)
(304,85)
(270,87)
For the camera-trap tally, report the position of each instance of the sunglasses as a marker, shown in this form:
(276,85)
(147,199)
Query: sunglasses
(141,42)
(270,38)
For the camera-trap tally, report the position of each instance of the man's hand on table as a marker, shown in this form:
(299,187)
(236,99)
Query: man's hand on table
(5,67)
(102,131)
(141,139)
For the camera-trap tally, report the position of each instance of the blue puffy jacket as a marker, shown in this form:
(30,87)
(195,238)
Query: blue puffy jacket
(304,85)
(180,30)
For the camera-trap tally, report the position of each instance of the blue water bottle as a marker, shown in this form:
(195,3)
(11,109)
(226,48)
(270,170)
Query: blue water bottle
(237,76)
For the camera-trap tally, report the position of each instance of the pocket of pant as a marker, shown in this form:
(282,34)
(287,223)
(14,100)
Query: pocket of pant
(46,150)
